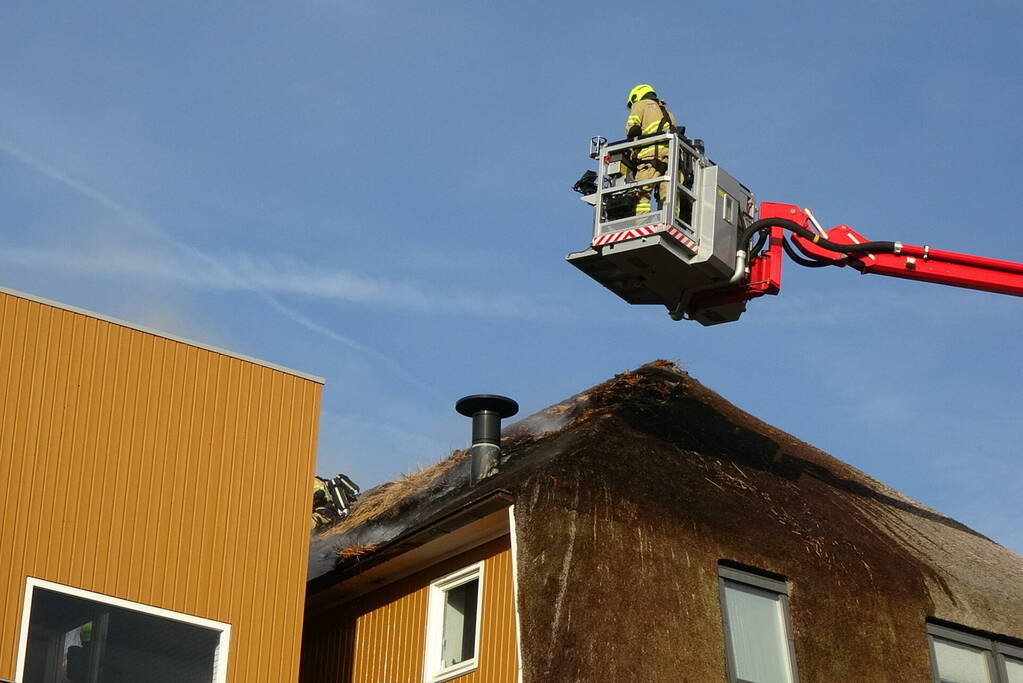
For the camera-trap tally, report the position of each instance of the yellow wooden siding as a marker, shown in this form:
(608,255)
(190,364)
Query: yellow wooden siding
(380,638)
(145,468)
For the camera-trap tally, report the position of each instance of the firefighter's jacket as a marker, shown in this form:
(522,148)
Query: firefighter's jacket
(649,115)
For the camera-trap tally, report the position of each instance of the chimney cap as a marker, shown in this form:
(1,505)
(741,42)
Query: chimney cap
(502,405)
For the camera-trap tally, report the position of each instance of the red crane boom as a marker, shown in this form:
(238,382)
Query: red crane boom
(903,261)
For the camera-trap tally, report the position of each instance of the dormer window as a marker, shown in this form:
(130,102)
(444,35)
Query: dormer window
(758,636)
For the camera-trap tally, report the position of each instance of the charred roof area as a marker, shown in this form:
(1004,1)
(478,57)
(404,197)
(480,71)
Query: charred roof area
(630,494)
(390,510)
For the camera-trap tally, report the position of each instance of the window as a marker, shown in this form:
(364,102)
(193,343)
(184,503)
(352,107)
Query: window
(729,208)
(72,635)
(758,638)
(453,624)
(962,657)
(1014,669)
(1010,662)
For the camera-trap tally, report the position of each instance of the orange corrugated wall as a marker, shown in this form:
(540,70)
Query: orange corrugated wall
(155,471)
(380,638)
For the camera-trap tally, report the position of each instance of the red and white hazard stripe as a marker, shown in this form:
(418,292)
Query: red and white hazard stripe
(683,238)
(644,231)
(622,235)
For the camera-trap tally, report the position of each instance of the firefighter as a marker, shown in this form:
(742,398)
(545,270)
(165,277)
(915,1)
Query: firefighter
(648,115)
(323,514)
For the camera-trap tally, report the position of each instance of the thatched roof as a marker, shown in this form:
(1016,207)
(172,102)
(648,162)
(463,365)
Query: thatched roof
(656,444)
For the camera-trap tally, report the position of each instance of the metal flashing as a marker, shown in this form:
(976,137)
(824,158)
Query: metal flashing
(158,333)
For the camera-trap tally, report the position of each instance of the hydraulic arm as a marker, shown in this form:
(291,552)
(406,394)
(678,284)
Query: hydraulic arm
(811,246)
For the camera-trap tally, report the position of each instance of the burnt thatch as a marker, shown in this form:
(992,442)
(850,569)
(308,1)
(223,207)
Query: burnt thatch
(626,498)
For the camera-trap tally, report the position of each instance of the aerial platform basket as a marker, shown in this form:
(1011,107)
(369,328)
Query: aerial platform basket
(708,248)
(686,246)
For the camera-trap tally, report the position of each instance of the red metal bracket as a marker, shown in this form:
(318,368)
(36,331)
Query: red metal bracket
(764,268)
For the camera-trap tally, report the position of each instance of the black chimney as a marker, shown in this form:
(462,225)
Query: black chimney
(486,411)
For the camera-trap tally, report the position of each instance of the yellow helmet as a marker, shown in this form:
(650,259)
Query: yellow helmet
(638,93)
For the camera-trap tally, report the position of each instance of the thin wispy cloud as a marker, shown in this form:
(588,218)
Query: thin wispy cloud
(365,350)
(281,274)
(278,274)
(190,265)
(82,188)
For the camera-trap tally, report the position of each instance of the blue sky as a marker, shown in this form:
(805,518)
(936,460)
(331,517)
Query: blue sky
(378,193)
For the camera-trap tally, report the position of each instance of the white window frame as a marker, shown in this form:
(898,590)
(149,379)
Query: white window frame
(776,586)
(432,672)
(32,583)
(995,652)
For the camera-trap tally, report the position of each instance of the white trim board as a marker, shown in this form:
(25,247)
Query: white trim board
(515,586)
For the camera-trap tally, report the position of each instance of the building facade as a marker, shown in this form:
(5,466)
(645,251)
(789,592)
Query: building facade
(154,503)
(384,635)
(658,533)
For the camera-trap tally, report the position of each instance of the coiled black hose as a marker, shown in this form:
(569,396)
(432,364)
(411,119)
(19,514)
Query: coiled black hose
(872,247)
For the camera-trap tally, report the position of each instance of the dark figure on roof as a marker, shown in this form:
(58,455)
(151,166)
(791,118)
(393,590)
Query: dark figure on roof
(332,500)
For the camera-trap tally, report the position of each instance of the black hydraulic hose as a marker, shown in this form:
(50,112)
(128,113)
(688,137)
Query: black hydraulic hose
(761,241)
(871,247)
(809,263)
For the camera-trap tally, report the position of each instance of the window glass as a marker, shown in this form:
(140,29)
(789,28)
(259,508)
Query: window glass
(1014,668)
(959,663)
(729,207)
(757,634)
(72,639)
(459,642)
(452,624)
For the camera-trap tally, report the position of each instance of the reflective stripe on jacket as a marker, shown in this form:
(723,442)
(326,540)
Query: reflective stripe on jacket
(648,116)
